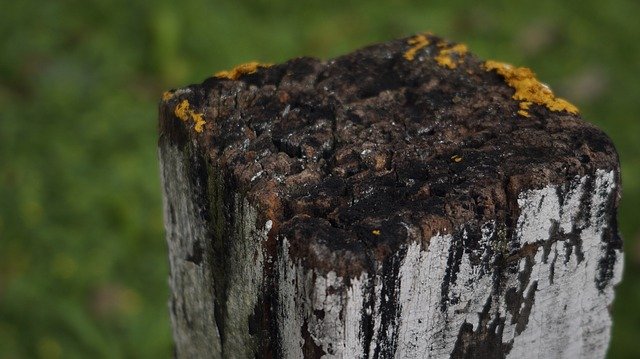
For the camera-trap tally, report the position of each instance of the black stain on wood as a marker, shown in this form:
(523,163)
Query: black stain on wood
(310,349)
(456,251)
(485,341)
(612,248)
(386,339)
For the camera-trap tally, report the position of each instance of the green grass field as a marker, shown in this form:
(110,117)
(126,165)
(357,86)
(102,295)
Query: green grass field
(83,265)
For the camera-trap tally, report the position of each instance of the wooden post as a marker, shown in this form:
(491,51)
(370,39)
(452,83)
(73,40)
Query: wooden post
(407,200)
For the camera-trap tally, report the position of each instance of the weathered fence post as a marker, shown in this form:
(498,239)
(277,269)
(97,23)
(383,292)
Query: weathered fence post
(407,200)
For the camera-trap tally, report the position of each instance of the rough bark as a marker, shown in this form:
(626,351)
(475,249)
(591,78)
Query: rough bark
(407,200)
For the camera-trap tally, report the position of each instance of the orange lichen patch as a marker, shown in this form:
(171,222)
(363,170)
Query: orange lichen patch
(445,56)
(167,95)
(375,232)
(199,122)
(456,158)
(244,69)
(528,89)
(185,113)
(417,42)
(524,108)
(183,110)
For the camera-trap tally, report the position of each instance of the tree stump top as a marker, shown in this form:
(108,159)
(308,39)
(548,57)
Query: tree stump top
(350,157)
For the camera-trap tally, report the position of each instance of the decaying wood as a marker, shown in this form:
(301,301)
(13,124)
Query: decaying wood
(407,200)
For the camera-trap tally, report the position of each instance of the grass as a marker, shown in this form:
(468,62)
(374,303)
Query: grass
(83,268)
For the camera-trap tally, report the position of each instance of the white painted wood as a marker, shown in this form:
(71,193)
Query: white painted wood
(304,293)
(568,314)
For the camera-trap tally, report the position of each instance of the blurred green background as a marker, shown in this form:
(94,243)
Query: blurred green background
(83,268)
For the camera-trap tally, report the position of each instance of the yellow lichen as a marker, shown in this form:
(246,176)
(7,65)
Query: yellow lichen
(417,42)
(445,58)
(243,69)
(185,113)
(528,89)
(524,108)
(183,110)
(376,232)
(167,95)
(199,122)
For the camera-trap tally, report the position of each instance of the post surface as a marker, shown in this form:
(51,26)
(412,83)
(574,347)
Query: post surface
(407,200)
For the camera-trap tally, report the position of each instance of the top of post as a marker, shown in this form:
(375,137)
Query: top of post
(403,139)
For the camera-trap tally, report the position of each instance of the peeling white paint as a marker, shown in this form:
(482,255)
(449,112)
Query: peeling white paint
(539,209)
(439,288)
(331,310)
(568,316)
(425,329)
